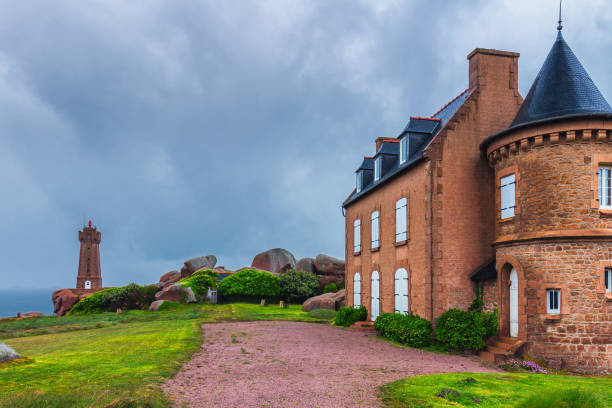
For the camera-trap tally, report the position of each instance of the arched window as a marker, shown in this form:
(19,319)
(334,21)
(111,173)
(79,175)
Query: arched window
(375,295)
(357,290)
(401,291)
(87,284)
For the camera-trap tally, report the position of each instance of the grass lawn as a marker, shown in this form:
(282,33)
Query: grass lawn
(489,390)
(108,360)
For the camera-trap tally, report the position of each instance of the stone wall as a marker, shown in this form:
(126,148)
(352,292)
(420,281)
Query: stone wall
(581,336)
(489,295)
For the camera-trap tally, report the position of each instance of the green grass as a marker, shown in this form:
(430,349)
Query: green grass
(108,360)
(494,390)
(322,314)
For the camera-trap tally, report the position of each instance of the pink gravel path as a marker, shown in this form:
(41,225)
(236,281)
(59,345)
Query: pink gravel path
(293,364)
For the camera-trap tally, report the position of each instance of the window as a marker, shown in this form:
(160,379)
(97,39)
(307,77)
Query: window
(605,187)
(553,301)
(87,285)
(357,290)
(508,196)
(375,230)
(401,220)
(401,291)
(357,236)
(404,149)
(359,181)
(377,168)
(608,279)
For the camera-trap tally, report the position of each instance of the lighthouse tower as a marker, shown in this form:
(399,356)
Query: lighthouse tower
(90,275)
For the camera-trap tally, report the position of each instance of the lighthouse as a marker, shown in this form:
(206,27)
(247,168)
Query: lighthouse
(90,274)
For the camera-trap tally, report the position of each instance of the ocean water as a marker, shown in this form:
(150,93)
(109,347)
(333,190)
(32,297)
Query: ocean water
(25,300)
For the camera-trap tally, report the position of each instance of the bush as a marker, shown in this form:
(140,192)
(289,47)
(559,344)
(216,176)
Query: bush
(250,282)
(459,330)
(411,330)
(132,296)
(349,315)
(333,287)
(297,286)
(168,305)
(200,281)
(572,398)
(327,314)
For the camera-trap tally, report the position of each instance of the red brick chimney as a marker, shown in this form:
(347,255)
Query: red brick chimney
(380,140)
(493,69)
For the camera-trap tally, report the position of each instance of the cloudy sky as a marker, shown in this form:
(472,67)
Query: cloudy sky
(227,127)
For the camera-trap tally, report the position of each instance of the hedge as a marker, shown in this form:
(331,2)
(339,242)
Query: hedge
(297,286)
(200,281)
(132,296)
(250,282)
(411,330)
(348,315)
(459,330)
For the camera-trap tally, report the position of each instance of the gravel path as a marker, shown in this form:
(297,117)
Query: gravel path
(293,364)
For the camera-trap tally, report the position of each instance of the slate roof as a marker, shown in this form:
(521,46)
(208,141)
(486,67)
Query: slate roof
(421,131)
(485,272)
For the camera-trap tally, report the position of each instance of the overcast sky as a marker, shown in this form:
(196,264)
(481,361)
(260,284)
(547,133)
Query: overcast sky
(187,128)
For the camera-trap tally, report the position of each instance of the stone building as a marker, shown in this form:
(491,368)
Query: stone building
(512,195)
(90,274)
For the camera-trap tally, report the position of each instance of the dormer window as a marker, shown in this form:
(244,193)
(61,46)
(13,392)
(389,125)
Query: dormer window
(359,181)
(404,149)
(377,168)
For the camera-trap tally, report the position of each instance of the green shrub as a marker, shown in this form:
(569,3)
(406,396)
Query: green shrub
(168,305)
(132,296)
(478,302)
(327,314)
(459,330)
(411,330)
(349,315)
(572,398)
(250,283)
(330,288)
(200,281)
(297,286)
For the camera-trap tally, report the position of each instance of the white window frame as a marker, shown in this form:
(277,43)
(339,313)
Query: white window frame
(359,183)
(404,143)
(608,279)
(507,188)
(375,229)
(87,284)
(357,235)
(377,168)
(401,220)
(604,176)
(553,305)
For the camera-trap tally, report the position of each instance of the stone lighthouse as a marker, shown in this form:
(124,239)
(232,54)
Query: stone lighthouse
(90,274)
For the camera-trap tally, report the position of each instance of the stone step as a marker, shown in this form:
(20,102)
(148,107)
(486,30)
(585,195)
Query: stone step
(493,357)
(366,327)
(500,350)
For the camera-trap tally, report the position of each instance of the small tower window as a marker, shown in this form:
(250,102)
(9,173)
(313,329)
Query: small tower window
(87,284)
(377,168)
(608,279)
(359,181)
(508,196)
(605,187)
(404,142)
(553,301)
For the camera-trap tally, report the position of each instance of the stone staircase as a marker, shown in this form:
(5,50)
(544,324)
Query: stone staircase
(364,327)
(500,349)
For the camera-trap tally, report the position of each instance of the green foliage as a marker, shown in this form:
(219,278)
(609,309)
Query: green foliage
(128,297)
(326,314)
(250,282)
(297,286)
(478,302)
(349,315)
(491,322)
(168,305)
(459,330)
(572,398)
(333,287)
(200,281)
(411,330)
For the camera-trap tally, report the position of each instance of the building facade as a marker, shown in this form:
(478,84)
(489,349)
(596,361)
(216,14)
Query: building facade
(492,191)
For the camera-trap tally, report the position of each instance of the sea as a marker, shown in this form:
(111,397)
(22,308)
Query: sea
(13,301)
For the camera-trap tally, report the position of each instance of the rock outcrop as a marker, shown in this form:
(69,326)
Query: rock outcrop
(275,260)
(7,353)
(154,306)
(332,301)
(169,278)
(63,300)
(327,265)
(200,262)
(32,314)
(306,265)
(177,293)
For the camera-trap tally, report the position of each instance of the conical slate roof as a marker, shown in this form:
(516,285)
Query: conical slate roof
(562,88)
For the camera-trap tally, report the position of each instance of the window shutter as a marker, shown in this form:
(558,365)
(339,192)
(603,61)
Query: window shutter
(397,295)
(375,230)
(400,220)
(357,235)
(508,196)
